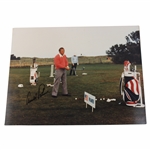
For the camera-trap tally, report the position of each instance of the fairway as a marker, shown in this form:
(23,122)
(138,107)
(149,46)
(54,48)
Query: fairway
(102,81)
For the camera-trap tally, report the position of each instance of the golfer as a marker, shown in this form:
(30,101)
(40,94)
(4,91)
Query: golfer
(74,62)
(61,65)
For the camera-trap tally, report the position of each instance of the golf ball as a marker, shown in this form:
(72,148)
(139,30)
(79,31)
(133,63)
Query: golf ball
(75,98)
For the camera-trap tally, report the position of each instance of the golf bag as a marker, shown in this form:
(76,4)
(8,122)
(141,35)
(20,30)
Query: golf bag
(130,86)
(33,73)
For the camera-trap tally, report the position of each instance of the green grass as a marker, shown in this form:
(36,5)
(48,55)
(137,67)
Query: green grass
(102,80)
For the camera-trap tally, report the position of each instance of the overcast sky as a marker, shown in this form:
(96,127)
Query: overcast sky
(88,41)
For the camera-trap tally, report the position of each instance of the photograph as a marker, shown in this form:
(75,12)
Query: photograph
(74,75)
(91,75)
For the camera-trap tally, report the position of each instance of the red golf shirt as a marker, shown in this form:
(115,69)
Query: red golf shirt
(60,61)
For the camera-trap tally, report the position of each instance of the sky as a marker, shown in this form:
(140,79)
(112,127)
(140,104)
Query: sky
(86,41)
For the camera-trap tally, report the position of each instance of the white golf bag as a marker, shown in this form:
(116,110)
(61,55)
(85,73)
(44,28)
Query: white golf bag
(33,74)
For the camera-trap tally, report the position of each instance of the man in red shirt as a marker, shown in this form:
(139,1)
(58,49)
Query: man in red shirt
(61,65)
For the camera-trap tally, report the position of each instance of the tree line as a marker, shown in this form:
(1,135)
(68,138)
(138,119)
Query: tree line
(13,57)
(130,51)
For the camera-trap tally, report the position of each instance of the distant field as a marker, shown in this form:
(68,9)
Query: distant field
(102,80)
(27,61)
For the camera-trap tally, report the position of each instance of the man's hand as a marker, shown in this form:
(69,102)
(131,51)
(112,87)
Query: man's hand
(67,68)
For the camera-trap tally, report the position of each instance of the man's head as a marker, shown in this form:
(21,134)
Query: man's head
(61,50)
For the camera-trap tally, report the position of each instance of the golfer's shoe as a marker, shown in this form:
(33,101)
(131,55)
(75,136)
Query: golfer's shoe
(54,96)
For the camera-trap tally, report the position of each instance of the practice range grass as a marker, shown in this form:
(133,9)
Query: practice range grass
(102,81)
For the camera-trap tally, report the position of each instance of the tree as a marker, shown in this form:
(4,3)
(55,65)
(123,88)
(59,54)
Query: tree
(130,51)
(13,57)
(133,37)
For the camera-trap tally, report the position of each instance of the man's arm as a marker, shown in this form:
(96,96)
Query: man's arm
(66,63)
(72,60)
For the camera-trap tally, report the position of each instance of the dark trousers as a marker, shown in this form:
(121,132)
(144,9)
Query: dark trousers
(73,69)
